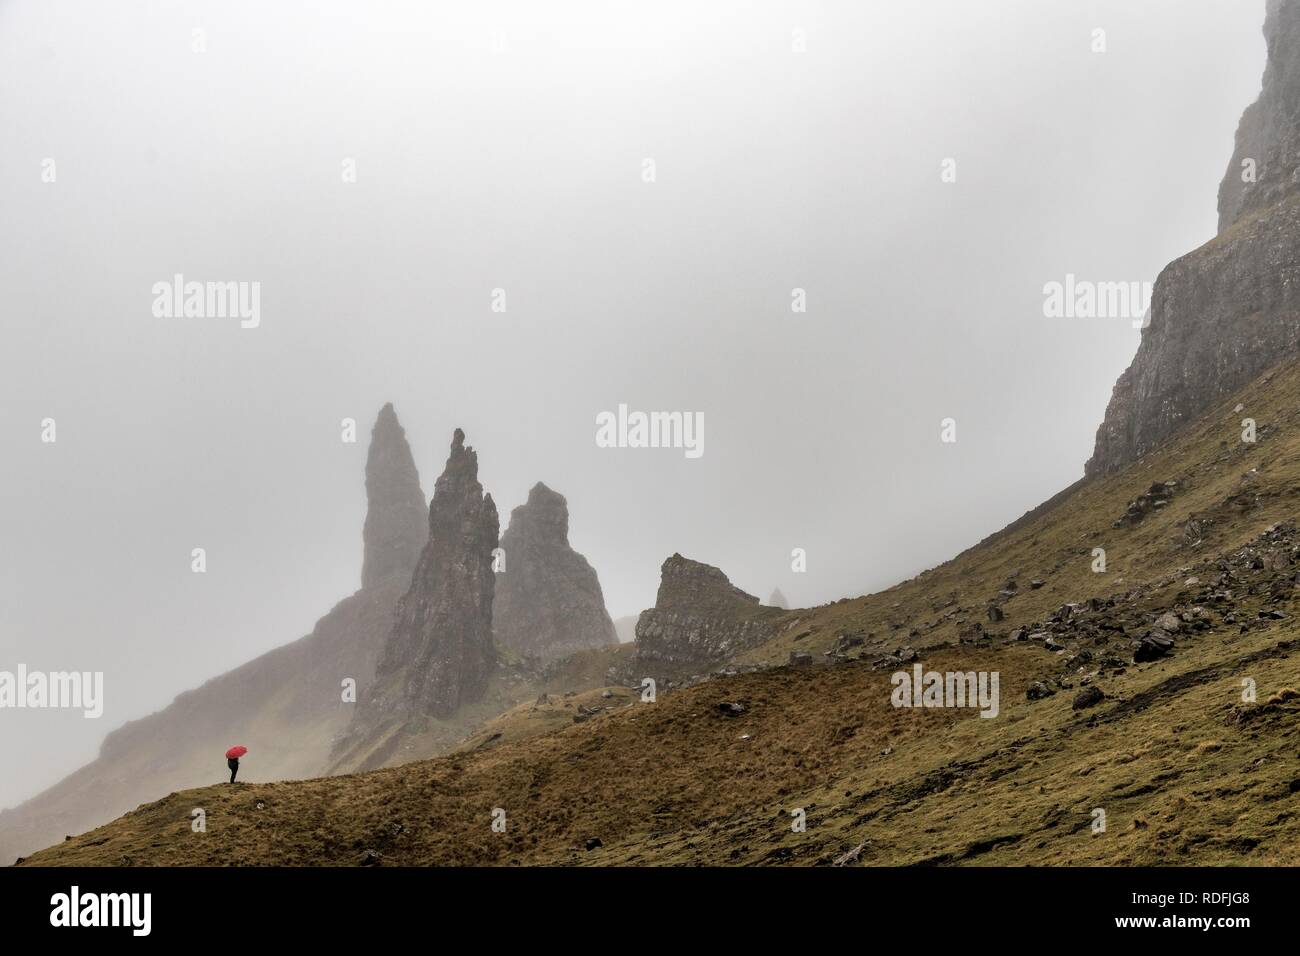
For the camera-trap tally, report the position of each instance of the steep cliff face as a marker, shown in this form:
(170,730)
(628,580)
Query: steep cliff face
(397,517)
(1268,137)
(700,618)
(1219,317)
(440,653)
(1229,310)
(548,598)
(285,706)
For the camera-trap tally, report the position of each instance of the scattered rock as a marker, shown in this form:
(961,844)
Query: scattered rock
(845,642)
(1169,623)
(1038,691)
(1088,697)
(1155,498)
(851,856)
(1151,647)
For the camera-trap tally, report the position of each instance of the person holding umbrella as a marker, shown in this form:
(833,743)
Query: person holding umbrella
(232,759)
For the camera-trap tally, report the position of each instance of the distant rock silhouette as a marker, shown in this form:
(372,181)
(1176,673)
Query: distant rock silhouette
(548,598)
(778,600)
(397,517)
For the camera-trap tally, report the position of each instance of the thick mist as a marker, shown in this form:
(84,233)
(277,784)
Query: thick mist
(508,146)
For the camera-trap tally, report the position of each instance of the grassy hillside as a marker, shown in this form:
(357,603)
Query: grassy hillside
(285,705)
(1185,771)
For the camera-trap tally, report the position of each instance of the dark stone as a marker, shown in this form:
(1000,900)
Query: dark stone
(1154,645)
(1088,697)
(846,642)
(1038,691)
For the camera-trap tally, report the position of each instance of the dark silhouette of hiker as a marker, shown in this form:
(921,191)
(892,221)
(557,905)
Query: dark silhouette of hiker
(233,764)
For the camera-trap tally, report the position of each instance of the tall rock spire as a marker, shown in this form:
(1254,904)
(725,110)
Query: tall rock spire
(440,652)
(396,515)
(548,601)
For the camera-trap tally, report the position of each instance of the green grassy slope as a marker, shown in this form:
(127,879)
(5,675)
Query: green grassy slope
(1184,770)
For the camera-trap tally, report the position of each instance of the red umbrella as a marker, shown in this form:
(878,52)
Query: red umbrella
(235,752)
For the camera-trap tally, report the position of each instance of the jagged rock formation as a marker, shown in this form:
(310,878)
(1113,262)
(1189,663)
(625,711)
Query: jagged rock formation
(440,652)
(700,618)
(548,599)
(397,516)
(1269,132)
(778,600)
(1206,599)
(286,706)
(1223,314)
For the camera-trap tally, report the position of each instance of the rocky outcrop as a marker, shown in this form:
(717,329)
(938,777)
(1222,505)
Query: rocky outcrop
(548,598)
(397,517)
(1219,318)
(778,600)
(1223,314)
(700,618)
(440,652)
(1268,137)
(285,706)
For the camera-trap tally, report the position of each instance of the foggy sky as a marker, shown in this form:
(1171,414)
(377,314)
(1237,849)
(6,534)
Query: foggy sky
(481,168)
